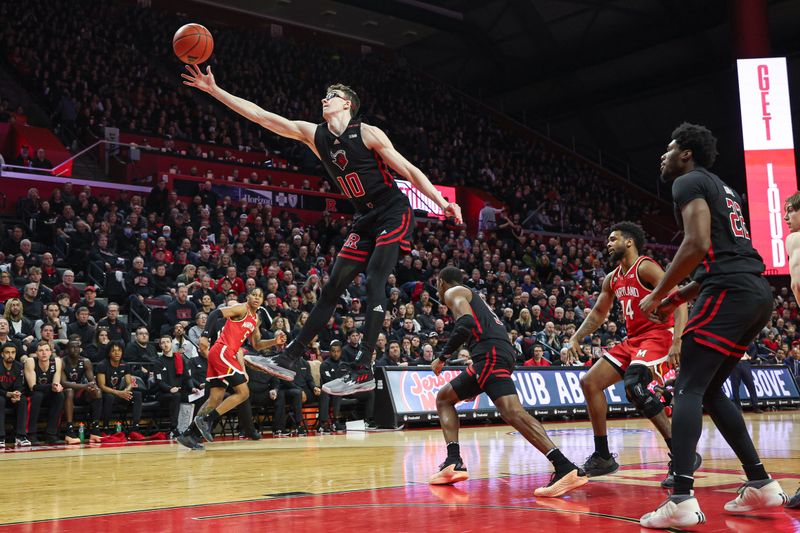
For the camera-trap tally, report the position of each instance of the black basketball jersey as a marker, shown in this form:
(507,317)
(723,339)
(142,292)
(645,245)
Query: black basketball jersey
(11,379)
(115,376)
(77,373)
(358,172)
(490,331)
(731,250)
(45,377)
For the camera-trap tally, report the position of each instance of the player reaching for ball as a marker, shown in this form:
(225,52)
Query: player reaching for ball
(635,361)
(356,157)
(490,372)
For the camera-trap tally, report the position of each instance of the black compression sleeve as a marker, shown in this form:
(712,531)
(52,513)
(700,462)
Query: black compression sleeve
(463,329)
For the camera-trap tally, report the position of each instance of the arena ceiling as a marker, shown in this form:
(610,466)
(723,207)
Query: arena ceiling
(615,75)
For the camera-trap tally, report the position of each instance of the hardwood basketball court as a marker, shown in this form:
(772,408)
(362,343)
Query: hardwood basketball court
(377,481)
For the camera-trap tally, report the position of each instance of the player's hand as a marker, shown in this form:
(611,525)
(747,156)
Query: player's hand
(453,210)
(125,395)
(173,390)
(675,354)
(273,394)
(196,78)
(437,365)
(573,348)
(280,338)
(655,308)
(317,391)
(57,387)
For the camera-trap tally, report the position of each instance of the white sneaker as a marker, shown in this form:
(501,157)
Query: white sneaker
(671,514)
(21,441)
(751,498)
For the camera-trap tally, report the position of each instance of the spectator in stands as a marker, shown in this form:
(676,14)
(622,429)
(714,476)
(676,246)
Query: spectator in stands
(117,329)
(486,217)
(18,271)
(173,381)
(24,157)
(97,350)
(43,293)
(49,272)
(32,306)
(41,161)
(43,376)
(393,356)
(80,388)
(11,244)
(52,317)
(196,331)
(28,207)
(97,310)
(538,358)
(21,328)
(82,326)
(67,286)
(181,309)
(181,344)
(7,290)
(12,395)
(119,388)
(426,356)
(140,350)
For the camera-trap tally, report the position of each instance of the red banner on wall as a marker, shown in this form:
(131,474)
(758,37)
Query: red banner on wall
(769,154)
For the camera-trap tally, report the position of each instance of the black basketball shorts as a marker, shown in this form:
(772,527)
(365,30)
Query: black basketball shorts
(389,225)
(729,312)
(490,372)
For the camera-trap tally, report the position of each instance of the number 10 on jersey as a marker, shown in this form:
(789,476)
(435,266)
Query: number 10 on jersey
(351,185)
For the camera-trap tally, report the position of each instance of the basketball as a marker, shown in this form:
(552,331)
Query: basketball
(193,44)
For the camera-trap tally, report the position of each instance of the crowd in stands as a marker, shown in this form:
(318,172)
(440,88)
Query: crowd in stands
(134,84)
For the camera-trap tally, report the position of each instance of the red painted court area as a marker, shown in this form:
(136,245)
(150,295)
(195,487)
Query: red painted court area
(502,504)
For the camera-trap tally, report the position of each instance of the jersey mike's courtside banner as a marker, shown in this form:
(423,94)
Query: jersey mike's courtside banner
(768,154)
(409,394)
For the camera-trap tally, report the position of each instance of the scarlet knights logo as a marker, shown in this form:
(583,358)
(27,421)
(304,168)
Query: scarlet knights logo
(339,158)
(330,205)
(352,241)
(114,381)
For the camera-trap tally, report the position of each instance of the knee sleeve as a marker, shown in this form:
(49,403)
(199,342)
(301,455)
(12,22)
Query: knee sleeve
(636,380)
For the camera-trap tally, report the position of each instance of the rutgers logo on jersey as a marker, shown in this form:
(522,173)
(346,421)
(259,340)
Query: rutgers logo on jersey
(114,381)
(352,241)
(73,375)
(339,158)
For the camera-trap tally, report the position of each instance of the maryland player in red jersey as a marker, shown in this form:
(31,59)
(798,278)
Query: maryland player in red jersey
(226,366)
(637,359)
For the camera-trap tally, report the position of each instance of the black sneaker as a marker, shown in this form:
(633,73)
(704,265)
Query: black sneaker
(53,439)
(280,433)
(794,501)
(72,432)
(452,470)
(34,440)
(255,435)
(340,427)
(358,380)
(669,481)
(596,465)
(282,366)
(302,431)
(204,426)
(187,440)
(370,425)
(325,429)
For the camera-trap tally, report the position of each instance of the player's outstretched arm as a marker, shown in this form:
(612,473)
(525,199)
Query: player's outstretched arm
(793,250)
(594,319)
(375,139)
(293,129)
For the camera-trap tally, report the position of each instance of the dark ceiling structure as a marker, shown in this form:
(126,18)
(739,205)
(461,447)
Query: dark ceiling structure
(609,78)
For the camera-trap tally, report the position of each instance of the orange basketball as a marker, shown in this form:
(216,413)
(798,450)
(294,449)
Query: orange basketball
(193,44)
